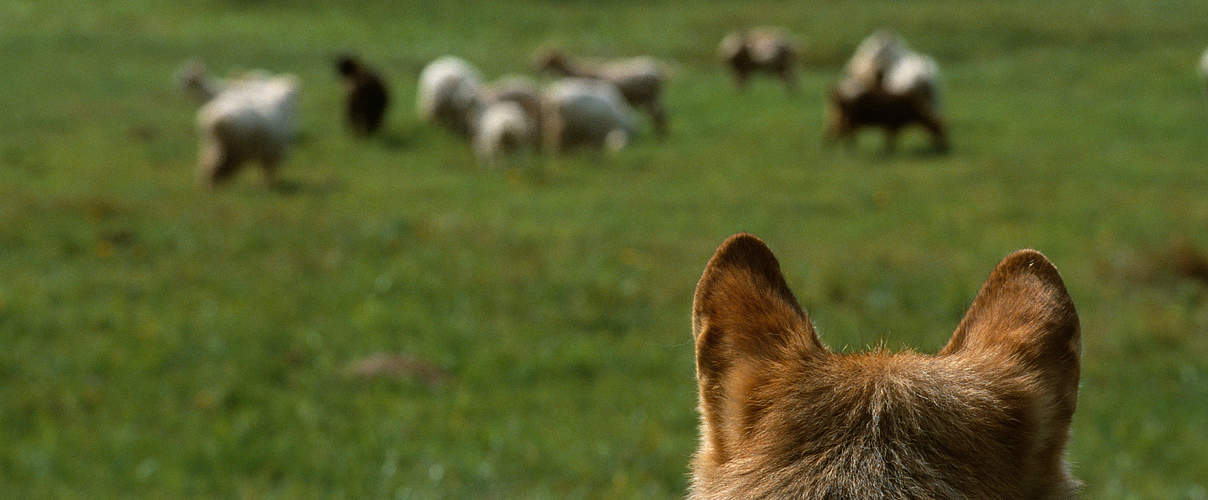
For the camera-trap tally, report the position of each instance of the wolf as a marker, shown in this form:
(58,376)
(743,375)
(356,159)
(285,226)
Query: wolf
(987,417)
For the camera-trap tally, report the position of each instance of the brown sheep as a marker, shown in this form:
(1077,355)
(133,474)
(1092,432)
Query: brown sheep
(760,50)
(889,86)
(878,108)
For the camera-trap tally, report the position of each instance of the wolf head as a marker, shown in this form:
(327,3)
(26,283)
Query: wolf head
(783,417)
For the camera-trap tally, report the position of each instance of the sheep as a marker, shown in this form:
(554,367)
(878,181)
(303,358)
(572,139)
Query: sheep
(449,94)
(365,95)
(510,119)
(583,112)
(768,50)
(889,86)
(504,127)
(247,119)
(639,79)
(520,90)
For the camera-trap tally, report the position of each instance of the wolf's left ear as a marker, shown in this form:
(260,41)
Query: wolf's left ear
(742,296)
(1024,311)
(743,316)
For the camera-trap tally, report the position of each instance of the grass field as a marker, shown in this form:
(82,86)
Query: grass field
(164,342)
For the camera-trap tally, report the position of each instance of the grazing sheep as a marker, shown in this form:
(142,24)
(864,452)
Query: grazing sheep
(509,121)
(503,128)
(365,95)
(449,94)
(524,92)
(889,86)
(767,50)
(248,119)
(639,79)
(582,112)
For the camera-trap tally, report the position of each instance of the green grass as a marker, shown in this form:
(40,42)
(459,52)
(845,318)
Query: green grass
(164,342)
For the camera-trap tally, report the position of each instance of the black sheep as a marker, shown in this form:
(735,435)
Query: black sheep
(366,95)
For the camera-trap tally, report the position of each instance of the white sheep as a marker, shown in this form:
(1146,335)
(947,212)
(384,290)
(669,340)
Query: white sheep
(510,119)
(522,91)
(583,112)
(504,127)
(914,74)
(884,63)
(449,94)
(246,119)
(869,65)
(639,79)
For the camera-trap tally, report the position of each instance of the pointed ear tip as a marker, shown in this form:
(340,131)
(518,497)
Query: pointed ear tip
(1029,261)
(742,244)
(742,251)
(1026,258)
(741,239)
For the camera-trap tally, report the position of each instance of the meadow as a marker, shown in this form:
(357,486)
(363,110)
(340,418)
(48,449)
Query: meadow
(160,341)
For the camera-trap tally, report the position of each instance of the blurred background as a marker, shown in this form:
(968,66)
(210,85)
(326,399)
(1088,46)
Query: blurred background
(395,320)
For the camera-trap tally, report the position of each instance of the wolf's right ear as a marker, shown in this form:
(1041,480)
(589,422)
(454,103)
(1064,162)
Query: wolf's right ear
(743,314)
(1023,311)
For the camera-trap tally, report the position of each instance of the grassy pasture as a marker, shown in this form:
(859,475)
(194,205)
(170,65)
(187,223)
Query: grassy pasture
(164,342)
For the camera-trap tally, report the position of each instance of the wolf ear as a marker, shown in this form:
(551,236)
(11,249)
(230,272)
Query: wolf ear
(743,314)
(1024,311)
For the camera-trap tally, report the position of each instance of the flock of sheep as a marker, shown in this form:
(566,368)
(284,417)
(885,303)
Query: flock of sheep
(250,117)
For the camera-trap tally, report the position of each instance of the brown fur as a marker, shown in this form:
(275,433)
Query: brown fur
(761,50)
(891,112)
(783,417)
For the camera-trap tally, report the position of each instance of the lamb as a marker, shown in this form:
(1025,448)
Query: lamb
(249,119)
(510,119)
(639,79)
(889,86)
(449,94)
(582,112)
(503,128)
(767,50)
(365,95)
(522,91)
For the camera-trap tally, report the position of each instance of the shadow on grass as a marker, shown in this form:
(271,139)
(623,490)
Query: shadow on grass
(394,140)
(293,187)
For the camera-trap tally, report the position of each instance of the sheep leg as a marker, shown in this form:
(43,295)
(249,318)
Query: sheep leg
(790,79)
(216,166)
(268,165)
(939,137)
(740,79)
(655,108)
(554,134)
(891,140)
